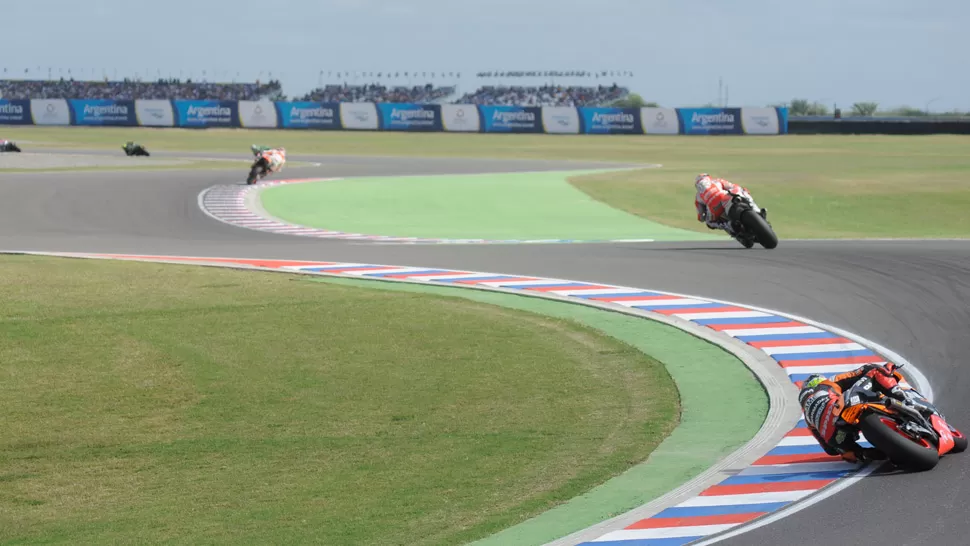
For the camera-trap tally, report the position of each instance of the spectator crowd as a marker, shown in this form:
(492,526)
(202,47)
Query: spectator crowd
(132,89)
(419,94)
(548,95)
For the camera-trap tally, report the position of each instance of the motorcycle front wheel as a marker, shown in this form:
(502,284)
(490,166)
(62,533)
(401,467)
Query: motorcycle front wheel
(884,434)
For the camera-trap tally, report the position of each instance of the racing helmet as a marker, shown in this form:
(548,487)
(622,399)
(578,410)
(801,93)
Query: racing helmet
(702,181)
(810,383)
(813,381)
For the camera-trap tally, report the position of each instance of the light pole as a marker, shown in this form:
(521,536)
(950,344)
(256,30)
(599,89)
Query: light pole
(928,103)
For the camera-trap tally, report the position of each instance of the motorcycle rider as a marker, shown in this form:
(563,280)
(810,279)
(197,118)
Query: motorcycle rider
(822,403)
(713,201)
(275,160)
(8,146)
(133,148)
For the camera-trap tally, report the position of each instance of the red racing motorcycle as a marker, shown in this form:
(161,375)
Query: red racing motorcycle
(906,427)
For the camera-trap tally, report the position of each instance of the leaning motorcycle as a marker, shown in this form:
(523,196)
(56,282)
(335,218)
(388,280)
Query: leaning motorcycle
(259,169)
(907,428)
(749,222)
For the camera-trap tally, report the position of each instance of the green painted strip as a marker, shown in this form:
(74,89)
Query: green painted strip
(709,429)
(493,206)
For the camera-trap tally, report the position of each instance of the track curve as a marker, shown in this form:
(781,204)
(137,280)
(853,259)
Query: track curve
(908,295)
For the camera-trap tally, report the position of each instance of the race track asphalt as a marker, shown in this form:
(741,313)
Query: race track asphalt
(910,296)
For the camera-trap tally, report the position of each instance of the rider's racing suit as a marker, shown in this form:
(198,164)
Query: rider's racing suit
(822,405)
(713,201)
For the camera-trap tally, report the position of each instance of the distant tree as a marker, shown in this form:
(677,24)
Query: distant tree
(801,107)
(798,107)
(907,111)
(864,108)
(633,100)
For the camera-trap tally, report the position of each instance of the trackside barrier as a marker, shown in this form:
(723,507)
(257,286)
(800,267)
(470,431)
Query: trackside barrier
(369,116)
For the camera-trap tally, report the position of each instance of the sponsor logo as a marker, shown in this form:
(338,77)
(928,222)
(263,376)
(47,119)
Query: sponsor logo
(706,120)
(563,121)
(14,109)
(412,115)
(209,111)
(613,119)
(360,115)
(459,118)
(510,118)
(51,112)
(105,111)
(156,113)
(312,113)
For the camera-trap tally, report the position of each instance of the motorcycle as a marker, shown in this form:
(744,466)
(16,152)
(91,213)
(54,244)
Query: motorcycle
(262,166)
(132,148)
(8,146)
(909,430)
(259,169)
(749,222)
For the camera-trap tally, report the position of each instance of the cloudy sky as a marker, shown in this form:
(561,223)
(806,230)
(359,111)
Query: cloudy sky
(896,52)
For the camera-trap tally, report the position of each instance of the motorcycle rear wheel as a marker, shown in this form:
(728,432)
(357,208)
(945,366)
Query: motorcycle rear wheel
(759,226)
(880,431)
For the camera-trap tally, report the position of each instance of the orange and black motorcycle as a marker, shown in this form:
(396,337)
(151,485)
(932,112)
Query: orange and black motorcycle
(905,426)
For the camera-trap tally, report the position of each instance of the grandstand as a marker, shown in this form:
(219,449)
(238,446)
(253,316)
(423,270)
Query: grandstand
(418,94)
(548,95)
(133,89)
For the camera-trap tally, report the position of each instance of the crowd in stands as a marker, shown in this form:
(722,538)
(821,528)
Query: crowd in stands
(548,95)
(133,89)
(419,94)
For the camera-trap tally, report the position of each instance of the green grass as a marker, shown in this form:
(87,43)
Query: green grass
(504,206)
(813,186)
(149,402)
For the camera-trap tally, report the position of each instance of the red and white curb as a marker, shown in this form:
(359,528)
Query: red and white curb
(781,480)
(233,204)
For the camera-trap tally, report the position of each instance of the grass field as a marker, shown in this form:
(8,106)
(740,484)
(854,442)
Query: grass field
(166,403)
(813,186)
(545,206)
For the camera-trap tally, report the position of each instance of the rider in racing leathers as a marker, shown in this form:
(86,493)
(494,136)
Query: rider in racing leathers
(822,403)
(277,157)
(713,201)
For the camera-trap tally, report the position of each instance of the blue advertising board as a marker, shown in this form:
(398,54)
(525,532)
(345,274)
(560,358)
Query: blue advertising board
(511,119)
(710,121)
(409,117)
(206,113)
(611,121)
(15,112)
(782,119)
(103,112)
(309,115)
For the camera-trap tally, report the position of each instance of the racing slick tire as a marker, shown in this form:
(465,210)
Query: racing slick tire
(899,448)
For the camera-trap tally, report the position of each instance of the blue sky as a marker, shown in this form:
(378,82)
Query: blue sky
(895,52)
